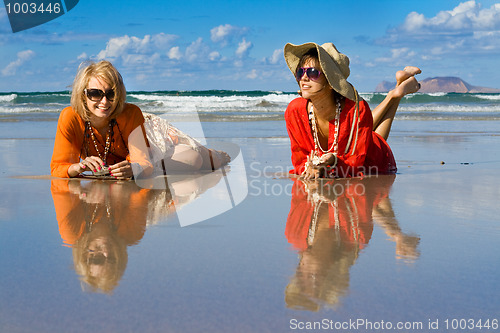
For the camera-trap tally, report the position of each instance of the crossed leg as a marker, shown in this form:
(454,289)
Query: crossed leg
(384,113)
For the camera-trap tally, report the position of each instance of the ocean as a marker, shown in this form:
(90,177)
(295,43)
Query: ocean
(224,105)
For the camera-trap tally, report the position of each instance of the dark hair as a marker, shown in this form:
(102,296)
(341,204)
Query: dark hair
(311,54)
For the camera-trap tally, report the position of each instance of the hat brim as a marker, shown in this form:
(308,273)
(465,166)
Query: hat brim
(337,79)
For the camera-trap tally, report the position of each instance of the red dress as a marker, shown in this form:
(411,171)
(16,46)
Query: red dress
(352,216)
(350,203)
(368,152)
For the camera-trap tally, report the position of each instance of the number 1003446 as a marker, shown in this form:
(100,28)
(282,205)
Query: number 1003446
(33,8)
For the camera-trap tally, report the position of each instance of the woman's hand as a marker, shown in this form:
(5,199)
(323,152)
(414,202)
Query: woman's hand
(311,171)
(91,163)
(315,167)
(327,159)
(121,170)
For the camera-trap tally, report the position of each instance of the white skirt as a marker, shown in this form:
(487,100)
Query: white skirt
(163,137)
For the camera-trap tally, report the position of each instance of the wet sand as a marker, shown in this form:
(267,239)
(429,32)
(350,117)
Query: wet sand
(420,247)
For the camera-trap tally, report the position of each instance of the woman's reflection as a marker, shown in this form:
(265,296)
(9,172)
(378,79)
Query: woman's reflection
(100,218)
(329,223)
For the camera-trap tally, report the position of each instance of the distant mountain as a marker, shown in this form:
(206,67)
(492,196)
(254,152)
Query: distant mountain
(441,84)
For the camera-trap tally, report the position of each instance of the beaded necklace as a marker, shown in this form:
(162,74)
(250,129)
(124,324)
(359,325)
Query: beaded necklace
(93,219)
(315,128)
(109,136)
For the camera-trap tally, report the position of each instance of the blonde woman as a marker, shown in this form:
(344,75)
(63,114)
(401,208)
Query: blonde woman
(103,134)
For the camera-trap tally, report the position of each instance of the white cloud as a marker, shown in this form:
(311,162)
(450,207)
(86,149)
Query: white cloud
(214,55)
(163,40)
(467,29)
(221,33)
(135,50)
(399,55)
(197,50)
(22,58)
(252,75)
(83,56)
(226,33)
(120,46)
(174,53)
(276,57)
(243,48)
(463,17)
(467,17)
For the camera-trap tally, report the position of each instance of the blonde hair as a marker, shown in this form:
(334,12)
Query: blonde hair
(104,71)
(110,272)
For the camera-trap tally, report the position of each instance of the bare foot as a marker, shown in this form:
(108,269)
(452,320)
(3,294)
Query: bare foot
(225,158)
(408,72)
(220,158)
(412,70)
(408,86)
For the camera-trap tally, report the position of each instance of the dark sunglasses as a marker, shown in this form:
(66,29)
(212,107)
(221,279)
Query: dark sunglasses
(98,258)
(311,72)
(95,95)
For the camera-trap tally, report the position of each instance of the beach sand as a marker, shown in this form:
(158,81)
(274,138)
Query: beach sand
(420,247)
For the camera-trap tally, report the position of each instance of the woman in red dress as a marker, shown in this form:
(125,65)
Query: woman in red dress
(332,131)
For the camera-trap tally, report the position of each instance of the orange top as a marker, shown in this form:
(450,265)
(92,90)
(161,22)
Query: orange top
(129,211)
(70,140)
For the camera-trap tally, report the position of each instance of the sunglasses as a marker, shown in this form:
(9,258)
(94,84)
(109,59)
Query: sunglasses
(311,72)
(98,258)
(95,95)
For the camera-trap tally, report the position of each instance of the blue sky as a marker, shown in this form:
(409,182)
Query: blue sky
(202,45)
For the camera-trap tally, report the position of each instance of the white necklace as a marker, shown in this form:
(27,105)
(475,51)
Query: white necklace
(317,146)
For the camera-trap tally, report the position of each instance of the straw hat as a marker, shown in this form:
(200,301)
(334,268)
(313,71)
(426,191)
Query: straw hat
(334,65)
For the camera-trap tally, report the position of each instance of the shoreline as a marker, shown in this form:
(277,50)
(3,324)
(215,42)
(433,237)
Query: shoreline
(245,267)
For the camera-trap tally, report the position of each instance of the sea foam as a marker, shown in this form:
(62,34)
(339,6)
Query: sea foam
(8,98)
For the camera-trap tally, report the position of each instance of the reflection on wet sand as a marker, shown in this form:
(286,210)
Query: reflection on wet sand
(99,219)
(330,222)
